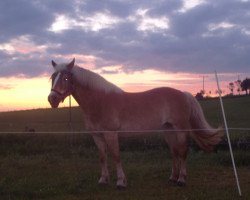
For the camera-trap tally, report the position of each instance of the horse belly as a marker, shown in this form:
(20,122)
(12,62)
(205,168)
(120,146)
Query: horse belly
(134,131)
(147,119)
(140,125)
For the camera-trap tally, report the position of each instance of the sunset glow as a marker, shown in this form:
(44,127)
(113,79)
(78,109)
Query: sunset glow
(23,93)
(20,93)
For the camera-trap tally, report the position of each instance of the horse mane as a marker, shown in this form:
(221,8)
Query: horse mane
(94,81)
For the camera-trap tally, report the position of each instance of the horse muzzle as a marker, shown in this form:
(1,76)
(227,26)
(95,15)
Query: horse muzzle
(54,99)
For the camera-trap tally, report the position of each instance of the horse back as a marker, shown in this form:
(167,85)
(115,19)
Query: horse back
(153,109)
(149,110)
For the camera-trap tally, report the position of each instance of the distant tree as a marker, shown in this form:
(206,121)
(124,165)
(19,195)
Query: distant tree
(199,95)
(209,94)
(245,85)
(219,92)
(231,87)
(238,83)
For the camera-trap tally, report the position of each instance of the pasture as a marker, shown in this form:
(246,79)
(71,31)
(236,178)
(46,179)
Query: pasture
(66,166)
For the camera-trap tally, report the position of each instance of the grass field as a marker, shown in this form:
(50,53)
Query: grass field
(65,165)
(47,120)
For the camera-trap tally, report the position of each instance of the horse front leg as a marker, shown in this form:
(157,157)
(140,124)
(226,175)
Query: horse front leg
(113,146)
(102,149)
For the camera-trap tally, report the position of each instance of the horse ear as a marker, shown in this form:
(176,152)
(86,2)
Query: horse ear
(71,64)
(53,63)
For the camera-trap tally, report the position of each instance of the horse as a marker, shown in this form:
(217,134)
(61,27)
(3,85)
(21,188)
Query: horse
(110,112)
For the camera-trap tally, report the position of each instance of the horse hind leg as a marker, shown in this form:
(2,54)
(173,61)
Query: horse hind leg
(182,157)
(178,147)
(102,149)
(113,146)
(171,140)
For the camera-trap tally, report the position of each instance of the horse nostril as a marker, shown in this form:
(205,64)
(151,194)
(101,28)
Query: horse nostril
(52,98)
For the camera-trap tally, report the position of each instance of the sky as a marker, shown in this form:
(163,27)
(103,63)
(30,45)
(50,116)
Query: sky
(137,45)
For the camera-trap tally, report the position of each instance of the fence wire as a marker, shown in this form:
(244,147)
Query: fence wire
(126,131)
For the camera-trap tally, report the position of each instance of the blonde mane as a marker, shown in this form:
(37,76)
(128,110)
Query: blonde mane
(94,81)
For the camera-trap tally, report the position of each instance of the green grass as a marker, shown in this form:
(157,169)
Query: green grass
(65,166)
(237,111)
(42,120)
(60,166)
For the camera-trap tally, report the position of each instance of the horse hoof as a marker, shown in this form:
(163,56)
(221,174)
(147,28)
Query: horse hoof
(172,182)
(102,184)
(121,187)
(103,181)
(181,184)
(121,184)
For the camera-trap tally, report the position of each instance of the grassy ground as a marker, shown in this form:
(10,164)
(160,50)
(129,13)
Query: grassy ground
(63,166)
(66,166)
(42,120)
(237,112)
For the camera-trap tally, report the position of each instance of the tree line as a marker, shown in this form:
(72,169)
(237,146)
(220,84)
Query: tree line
(238,86)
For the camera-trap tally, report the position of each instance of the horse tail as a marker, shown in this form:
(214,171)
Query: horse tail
(205,136)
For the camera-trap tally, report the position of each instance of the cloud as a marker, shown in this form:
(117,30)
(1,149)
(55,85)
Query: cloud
(172,36)
(21,17)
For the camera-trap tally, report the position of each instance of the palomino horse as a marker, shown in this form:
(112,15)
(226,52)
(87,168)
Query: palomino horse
(109,112)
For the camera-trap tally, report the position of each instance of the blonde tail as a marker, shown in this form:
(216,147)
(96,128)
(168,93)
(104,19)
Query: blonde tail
(204,135)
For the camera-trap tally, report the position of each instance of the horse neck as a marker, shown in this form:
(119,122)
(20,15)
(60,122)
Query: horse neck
(83,96)
(93,81)
(89,98)
(90,87)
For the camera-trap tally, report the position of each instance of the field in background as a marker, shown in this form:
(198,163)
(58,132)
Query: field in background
(237,110)
(41,120)
(65,165)
(57,120)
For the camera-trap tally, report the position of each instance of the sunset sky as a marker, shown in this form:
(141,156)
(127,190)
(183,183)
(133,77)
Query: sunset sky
(137,45)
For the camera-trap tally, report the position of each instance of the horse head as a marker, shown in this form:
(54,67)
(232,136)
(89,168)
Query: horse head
(62,83)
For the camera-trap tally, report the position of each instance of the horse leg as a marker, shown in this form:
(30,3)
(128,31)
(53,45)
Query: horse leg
(113,146)
(101,145)
(172,143)
(182,156)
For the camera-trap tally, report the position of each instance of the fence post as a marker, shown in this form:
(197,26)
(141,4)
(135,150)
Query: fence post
(228,137)
(70,114)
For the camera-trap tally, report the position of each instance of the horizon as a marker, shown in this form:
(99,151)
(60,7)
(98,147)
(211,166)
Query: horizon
(25,96)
